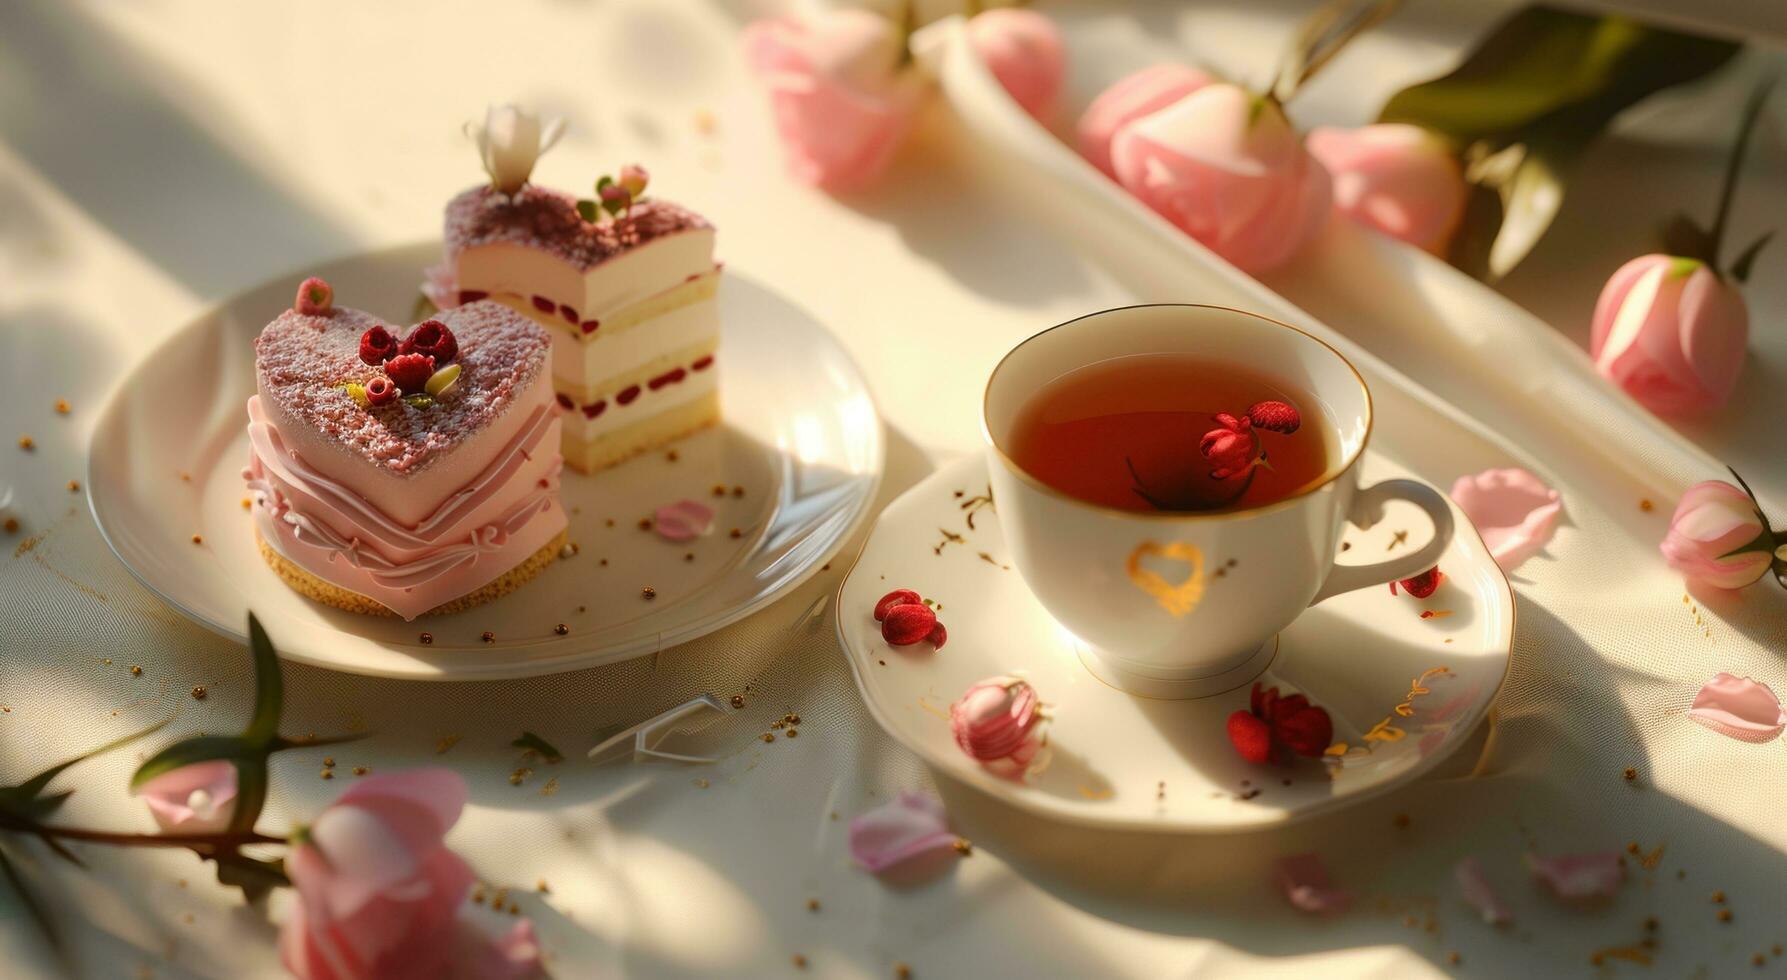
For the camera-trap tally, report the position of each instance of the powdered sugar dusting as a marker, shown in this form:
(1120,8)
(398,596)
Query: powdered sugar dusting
(542,218)
(304,360)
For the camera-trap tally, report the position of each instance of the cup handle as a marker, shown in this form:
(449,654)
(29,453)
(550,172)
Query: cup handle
(1368,509)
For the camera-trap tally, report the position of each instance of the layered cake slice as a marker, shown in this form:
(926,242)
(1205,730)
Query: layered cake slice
(404,472)
(625,284)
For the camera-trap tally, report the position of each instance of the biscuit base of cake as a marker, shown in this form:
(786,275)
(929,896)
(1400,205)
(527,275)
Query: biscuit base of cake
(652,432)
(329,594)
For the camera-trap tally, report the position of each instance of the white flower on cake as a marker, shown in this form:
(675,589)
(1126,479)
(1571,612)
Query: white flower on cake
(510,140)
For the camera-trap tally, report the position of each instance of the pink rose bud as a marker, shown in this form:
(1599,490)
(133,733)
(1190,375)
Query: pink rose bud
(195,799)
(1713,520)
(634,178)
(995,719)
(379,893)
(1129,98)
(1226,166)
(1023,50)
(840,99)
(615,194)
(1397,178)
(1671,333)
(315,297)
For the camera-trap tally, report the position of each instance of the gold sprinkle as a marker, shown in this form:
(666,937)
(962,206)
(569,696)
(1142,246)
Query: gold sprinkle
(561,629)
(1718,898)
(701,783)
(11,525)
(672,456)
(27,443)
(688,556)
(62,406)
(791,718)
(604,563)
(247,503)
(1630,774)
(1453,958)
(902,971)
(1724,915)
(328,774)
(737,533)
(648,593)
(719,489)
(963,846)
(446,742)
(74,486)
(328,760)
(1646,505)
(610,522)
(540,886)
(198,692)
(1650,923)
(793,732)
(705,123)
(478,896)
(136,671)
(1758,959)
(738,491)
(738,700)
(426,638)
(185,477)
(812,905)
(645,524)
(550,788)
(514,909)
(186,917)
(360,770)
(487,636)
(800,962)
(198,539)
(518,775)
(769,736)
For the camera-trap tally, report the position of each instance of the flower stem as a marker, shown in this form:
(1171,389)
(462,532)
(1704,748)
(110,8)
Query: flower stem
(205,844)
(1752,110)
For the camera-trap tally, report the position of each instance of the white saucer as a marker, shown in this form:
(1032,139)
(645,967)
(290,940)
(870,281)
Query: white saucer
(1120,760)
(800,434)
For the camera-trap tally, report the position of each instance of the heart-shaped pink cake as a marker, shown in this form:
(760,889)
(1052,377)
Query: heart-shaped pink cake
(407,471)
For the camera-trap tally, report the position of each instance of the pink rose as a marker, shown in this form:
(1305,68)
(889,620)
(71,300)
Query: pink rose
(1713,520)
(1671,333)
(195,799)
(1129,98)
(1226,167)
(1397,178)
(379,894)
(840,99)
(998,722)
(1023,50)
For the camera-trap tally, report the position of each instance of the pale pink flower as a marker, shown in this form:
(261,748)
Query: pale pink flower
(841,100)
(1023,50)
(1514,511)
(998,722)
(1713,520)
(1226,166)
(1130,98)
(908,826)
(1475,889)
(1579,876)
(684,520)
(1304,879)
(1400,179)
(1742,708)
(195,799)
(379,894)
(1671,333)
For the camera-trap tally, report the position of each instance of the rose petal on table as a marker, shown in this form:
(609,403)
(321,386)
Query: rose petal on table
(195,799)
(1744,709)
(1304,879)
(1512,509)
(684,520)
(908,826)
(1576,876)
(1475,890)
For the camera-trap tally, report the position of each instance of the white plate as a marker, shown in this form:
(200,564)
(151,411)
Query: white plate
(800,434)
(1124,761)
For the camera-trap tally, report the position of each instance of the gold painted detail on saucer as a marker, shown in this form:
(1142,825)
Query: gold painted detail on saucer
(1178,599)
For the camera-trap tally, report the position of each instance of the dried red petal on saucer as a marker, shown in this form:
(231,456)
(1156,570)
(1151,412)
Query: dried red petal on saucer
(1422,585)
(908,624)
(1251,737)
(1307,730)
(938,636)
(898,597)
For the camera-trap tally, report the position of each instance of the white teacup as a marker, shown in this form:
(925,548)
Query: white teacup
(1132,586)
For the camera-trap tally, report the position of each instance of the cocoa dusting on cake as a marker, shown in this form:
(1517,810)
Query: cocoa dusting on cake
(303,362)
(542,218)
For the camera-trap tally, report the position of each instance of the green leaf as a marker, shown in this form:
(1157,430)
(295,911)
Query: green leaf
(269,686)
(547,751)
(255,877)
(1740,269)
(1526,103)
(190,751)
(1763,541)
(601,182)
(615,206)
(419,400)
(31,788)
(588,210)
(251,793)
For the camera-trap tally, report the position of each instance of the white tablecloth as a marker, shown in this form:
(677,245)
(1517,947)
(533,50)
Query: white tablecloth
(156,158)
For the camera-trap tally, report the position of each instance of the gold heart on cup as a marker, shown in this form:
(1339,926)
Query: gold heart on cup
(1178,599)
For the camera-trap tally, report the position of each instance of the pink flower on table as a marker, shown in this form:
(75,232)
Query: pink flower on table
(1023,50)
(1400,179)
(842,103)
(379,894)
(1671,333)
(1130,98)
(195,799)
(1742,708)
(1304,879)
(1579,876)
(998,722)
(1713,521)
(1226,166)
(909,826)
(1514,511)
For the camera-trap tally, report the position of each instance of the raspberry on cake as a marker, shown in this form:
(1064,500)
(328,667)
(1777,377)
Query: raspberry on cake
(626,286)
(391,483)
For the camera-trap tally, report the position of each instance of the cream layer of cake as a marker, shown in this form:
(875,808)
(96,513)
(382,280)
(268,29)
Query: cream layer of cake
(411,507)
